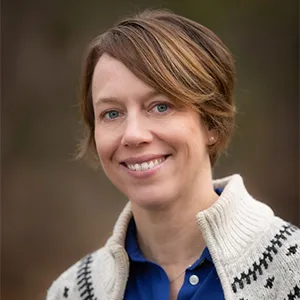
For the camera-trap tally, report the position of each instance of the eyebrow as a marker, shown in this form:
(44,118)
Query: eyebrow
(106,100)
(110,100)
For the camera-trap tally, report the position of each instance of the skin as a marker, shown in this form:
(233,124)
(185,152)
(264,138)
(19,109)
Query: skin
(132,120)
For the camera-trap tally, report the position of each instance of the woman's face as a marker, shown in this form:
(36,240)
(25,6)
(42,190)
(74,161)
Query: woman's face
(151,150)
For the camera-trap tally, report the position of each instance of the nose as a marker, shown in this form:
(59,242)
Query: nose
(136,132)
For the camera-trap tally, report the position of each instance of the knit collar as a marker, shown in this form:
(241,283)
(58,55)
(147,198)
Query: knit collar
(234,221)
(228,226)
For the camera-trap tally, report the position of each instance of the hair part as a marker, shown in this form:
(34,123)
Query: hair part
(176,56)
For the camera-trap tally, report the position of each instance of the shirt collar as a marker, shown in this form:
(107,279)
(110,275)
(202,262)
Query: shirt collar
(131,246)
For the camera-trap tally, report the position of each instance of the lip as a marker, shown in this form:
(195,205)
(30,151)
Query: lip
(146,173)
(143,158)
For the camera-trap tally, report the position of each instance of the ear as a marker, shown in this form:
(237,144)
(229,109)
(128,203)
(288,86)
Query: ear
(212,137)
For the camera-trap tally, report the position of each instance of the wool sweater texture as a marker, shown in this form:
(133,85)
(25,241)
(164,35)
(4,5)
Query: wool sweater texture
(256,254)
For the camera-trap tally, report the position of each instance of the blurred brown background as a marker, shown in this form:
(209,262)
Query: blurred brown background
(55,210)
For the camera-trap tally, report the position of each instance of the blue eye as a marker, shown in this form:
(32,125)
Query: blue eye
(161,107)
(112,114)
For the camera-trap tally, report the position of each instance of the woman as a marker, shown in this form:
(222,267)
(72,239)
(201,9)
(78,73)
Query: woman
(158,103)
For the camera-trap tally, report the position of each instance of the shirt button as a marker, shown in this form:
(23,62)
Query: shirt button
(194,279)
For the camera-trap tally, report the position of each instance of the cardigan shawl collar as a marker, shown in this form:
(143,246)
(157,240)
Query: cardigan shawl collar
(229,226)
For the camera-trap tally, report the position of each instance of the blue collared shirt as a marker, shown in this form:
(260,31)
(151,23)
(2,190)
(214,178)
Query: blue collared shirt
(148,280)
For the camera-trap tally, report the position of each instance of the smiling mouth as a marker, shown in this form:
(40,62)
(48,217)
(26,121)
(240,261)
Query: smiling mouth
(146,165)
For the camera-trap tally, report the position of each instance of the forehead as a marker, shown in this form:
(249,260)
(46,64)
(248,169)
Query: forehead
(113,79)
(107,69)
(108,64)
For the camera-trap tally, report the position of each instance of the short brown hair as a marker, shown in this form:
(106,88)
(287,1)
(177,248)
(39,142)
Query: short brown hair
(176,56)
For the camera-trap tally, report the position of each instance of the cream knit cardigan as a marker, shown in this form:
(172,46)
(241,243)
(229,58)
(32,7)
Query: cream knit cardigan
(256,254)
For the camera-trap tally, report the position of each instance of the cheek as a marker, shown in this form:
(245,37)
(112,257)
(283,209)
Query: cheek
(105,145)
(191,139)
(185,134)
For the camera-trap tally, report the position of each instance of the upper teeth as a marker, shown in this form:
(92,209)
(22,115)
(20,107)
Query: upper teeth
(145,165)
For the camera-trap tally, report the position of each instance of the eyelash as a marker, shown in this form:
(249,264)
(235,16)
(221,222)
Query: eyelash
(168,105)
(104,115)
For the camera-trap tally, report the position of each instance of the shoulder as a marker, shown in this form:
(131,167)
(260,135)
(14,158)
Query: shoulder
(285,237)
(63,285)
(278,249)
(269,268)
(283,257)
(76,280)
(286,241)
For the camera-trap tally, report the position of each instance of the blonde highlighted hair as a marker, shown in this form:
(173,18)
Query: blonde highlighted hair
(176,56)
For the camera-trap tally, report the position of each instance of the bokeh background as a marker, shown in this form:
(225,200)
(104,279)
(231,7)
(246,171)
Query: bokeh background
(55,210)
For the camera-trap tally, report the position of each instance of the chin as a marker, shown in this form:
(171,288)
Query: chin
(151,200)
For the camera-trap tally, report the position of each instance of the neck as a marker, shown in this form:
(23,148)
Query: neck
(170,236)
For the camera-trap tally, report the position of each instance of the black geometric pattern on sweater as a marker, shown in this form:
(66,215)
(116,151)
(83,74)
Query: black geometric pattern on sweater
(84,279)
(269,283)
(267,257)
(66,290)
(292,250)
(294,294)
